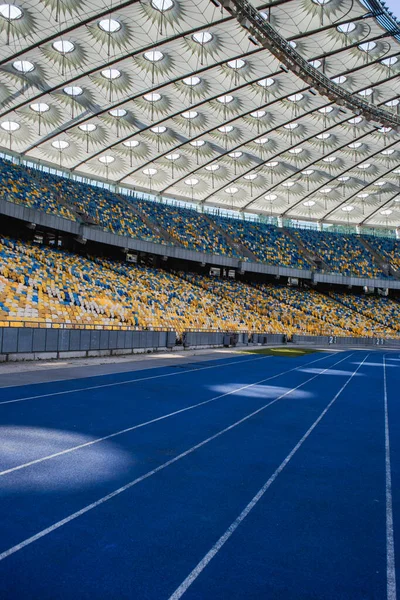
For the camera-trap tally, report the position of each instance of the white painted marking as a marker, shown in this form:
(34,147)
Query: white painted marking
(126,381)
(390,555)
(145,423)
(129,485)
(232,528)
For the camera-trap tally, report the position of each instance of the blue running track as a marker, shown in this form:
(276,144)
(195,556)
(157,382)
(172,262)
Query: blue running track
(252,477)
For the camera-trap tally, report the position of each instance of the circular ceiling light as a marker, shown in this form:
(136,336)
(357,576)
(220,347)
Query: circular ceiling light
(321,2)
(315,63)
(238,63)
(250,176)
(326,190)
(367,46)
(367,92)
(270,197)
(162,5)
(158,129)
(343,178)
(364,166)
(10,126)
(117,112)
(258,114)
(150,171)
(384,129)
(152,97)
(387,152)
(267,82)
(339,80)
(363,195)
(325,110)
(192,181)
(354,145)
(107,159)
(261,141)
(23,66)
(355,120)
(391,103)
(192,81)
(231,190)
(237,154)
(288,184)
(386,212)
(60,144)
(272,164)
(293,44)
(63,46)
(346,27)
(347,208)
(388,62)
(173,156)
(212,167)
(225,99)
(225,128)
(383,182)
(131,143)
(109,25)
(111,73)
(197,143)
(308,172)
(324,136)
(295,97)
(329,159)
(295,150)
(39,107)
(190,114)
(153,55)
(309,203)
(291,125)
(202,37)
(73,90)
(87,127)
(10,12)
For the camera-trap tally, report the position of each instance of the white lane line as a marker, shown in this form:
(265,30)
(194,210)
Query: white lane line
(105,385)
(145,423)
(232,528)
(390,556)
(129,485)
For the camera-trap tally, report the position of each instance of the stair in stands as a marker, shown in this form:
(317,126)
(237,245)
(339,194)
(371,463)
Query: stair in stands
(152,225)
(380,261)
(314,260)
(240,248)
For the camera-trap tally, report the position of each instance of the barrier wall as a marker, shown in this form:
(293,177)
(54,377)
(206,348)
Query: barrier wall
(351,342)
(199,338)
(25,343)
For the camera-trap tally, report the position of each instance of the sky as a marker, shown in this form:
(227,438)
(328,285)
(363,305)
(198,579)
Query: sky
(394,6)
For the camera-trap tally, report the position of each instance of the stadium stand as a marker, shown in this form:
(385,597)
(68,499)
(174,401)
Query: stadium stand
(48,286)
(342,253)
(389,249)
(53,194)
(42,285)
(266,242)
(345,316)
(27,187)
(378,309)
(187,227)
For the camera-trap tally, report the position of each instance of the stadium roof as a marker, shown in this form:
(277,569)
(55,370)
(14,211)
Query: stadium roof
(288,110)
